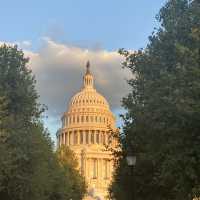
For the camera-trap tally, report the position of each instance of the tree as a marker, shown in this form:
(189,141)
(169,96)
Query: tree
(162,122)
(29,168)
(69,165)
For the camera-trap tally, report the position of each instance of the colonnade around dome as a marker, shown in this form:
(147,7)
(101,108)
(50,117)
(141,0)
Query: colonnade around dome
(85,137)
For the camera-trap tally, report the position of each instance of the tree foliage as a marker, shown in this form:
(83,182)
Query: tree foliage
(69,165)
(29,167)
(162,123)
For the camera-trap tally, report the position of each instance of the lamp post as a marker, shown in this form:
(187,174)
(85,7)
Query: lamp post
(131,161)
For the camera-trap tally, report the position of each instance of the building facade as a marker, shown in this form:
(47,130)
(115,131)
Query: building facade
(86,129)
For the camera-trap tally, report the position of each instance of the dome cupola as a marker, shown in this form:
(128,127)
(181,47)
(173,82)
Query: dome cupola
(88,78)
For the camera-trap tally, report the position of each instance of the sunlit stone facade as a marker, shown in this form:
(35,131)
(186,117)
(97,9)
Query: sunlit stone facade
(86,129)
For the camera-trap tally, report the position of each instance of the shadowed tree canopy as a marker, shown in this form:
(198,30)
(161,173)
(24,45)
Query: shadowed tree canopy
(29,167)
(162,123)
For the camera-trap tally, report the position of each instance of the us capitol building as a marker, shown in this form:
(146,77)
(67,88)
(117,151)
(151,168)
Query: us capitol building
(86,129)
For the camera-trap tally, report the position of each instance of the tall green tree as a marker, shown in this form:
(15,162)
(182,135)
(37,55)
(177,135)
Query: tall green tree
(69,164)
(162,123)
(29,167)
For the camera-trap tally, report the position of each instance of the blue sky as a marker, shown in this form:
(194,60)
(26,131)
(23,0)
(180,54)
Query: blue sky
(110,24)
(60,35)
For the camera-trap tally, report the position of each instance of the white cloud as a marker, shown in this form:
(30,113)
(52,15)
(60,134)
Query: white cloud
(59,69)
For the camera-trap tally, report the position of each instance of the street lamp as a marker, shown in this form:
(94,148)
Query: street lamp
(131,161)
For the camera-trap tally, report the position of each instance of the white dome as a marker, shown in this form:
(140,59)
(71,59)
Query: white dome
(88,98)
(88,105)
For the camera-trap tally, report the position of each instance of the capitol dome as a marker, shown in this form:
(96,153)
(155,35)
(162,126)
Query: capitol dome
(86,129)
(88,107)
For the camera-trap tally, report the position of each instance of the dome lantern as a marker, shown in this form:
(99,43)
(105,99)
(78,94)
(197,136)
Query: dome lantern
(88,79)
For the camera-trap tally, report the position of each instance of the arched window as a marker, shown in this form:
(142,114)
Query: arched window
(87,118)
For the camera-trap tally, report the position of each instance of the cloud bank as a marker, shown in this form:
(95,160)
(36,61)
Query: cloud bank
(59,70)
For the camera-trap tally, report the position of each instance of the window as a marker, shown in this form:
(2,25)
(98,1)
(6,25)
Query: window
(92,137)
(75,138)
(65,121)
(78,119)
(81,137)
(94,168)
(104,138)
(97,138)
(73,119)
(70,138)
(82,118)
(62,139)
(95,118)
(65,138)
(87,118)
(87,137)
(91,118)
